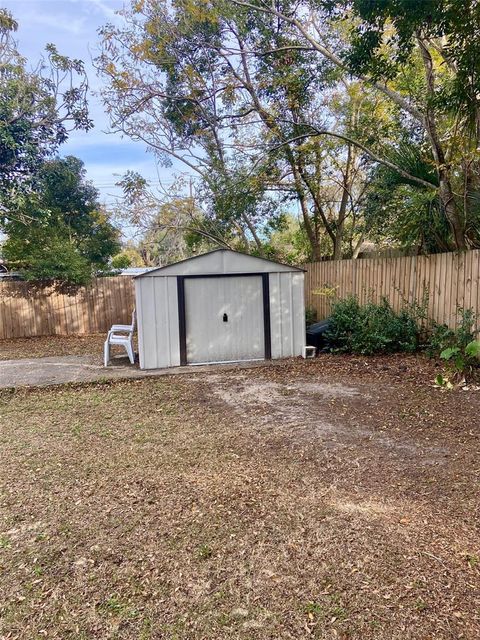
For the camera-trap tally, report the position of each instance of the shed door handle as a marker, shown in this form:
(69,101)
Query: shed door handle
(225,317)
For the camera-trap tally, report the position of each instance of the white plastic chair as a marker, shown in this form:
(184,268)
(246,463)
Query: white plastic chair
(121,334)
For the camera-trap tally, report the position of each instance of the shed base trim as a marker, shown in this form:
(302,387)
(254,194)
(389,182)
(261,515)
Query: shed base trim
(198,364)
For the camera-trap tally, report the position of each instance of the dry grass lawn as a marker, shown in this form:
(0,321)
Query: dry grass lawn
(329,499)
(48,346)
(44,346)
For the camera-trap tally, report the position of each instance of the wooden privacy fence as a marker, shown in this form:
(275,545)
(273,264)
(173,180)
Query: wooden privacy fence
(26,310)
(450,280)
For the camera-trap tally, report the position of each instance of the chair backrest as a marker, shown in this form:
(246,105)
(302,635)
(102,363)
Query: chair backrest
(134,319)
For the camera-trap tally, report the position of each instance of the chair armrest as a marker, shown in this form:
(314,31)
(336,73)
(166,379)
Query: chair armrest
(125,335)
(121,327)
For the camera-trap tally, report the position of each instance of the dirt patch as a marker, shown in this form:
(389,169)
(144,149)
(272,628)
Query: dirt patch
(288,403)
(246,392)
(304,410)
(236,505)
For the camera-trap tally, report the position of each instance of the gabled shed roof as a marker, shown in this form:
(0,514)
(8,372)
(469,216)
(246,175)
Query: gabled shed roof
(220,261)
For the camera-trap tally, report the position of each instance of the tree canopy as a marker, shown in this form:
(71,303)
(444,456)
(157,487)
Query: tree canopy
(68,237)
(347,107)
(192,83)
(55,228)
(297,128)
(37,110)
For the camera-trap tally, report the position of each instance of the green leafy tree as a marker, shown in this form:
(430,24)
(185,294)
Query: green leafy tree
(399,212)
(37,110)
(128,257)
(424,58)
(69,237)
(236,99)
(287,241)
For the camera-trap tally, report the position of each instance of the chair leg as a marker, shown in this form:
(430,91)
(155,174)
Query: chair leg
(131,355)
(106,353)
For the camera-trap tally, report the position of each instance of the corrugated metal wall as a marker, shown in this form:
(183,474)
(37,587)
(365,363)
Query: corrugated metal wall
(287,314)
(158,322)
(157,315)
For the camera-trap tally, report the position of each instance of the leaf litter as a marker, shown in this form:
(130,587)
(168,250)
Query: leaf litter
(328,499)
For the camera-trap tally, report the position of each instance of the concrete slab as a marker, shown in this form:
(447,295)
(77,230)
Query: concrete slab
(42,372)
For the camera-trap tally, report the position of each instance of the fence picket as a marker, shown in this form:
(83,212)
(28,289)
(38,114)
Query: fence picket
(26,311)
(451,280)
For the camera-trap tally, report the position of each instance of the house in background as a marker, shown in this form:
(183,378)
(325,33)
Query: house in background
(8,274)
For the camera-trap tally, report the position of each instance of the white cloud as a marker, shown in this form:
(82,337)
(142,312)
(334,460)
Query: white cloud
(106,8)
(86,140)
(62,22)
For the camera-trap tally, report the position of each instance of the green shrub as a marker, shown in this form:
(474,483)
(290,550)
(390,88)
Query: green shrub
(121,261)
(371,328)
(345,324)
(457,348)
(310,315)
(462,364)
(439,338)
(442,337)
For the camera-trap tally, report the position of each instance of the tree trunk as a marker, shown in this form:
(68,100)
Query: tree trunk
(342,212)
(302,178)
(358,246)
(252,230)
(452,213)
(337,245)
(445,190)
(312,236)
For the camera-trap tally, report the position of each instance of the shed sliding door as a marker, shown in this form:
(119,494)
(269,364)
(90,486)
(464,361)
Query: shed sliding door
(224,319)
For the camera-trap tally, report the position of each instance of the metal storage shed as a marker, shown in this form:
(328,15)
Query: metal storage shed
(221,306)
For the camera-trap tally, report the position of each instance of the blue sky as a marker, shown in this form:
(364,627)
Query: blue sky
(72,26)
